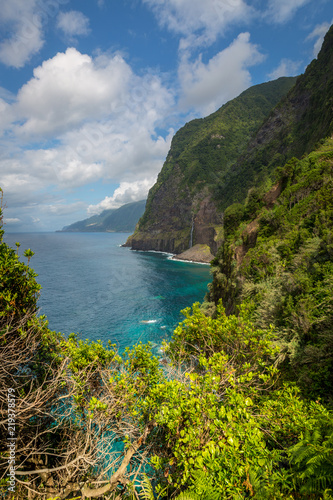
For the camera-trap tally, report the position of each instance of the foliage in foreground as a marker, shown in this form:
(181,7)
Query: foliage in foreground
(215,422)
(236,425)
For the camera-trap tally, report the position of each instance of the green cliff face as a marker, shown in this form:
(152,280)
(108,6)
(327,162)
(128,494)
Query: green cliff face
(180,210)
(232,154)
(278,261)
(293,128)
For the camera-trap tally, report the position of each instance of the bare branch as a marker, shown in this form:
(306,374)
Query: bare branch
(118,475)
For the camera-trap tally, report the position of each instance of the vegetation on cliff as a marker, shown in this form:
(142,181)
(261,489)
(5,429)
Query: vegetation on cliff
(221,157)
(204,149)
(277,257)
(201,154)
(218,419)
(293,128)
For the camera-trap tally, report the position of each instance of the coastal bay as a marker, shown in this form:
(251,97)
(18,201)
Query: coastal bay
(93,286)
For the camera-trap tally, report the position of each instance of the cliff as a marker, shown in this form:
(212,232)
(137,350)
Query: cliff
(181,210)
(232,154)
(293,128)
(277,262)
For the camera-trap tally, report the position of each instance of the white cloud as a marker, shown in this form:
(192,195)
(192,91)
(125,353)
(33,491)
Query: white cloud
(206,19)
(125,193)
(22,19)
(7,95)
(285,68)
(94,119)
(19,182)
(73,23)
(281,11)
(206,87)
(68,89)
(202,22)
(125,148)
(318,35)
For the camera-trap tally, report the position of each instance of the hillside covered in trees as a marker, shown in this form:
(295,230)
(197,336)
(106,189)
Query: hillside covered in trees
(277,259)
(240,404)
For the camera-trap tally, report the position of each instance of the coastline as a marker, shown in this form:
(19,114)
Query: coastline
(203,256)
(187,261)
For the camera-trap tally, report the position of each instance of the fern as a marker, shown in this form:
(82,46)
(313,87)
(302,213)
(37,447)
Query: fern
(313,456)
(202,489)
(147,492)
(188,495)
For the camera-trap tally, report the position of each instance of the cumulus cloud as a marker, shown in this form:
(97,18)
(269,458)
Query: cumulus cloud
(102,115)
(69,88)
(78,161)
(127,192)
(205,87)
(93,119)
(281,11)
(286,67)
(125,148)
(73,23)
(318,36)
(207,20)
(21,18)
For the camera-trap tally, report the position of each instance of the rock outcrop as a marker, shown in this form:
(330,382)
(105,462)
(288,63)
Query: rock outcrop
(198,253)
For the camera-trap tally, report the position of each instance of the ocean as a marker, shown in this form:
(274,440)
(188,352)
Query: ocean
(93,286)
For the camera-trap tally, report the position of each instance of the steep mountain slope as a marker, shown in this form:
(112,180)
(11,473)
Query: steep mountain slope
(121,220)
(294,126)
(180,211)
(215,162)
(277,259)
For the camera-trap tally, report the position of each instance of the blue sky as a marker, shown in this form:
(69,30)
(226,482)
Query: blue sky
(92,91)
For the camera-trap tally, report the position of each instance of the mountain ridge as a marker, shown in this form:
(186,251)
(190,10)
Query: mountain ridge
(293,128)
(118,220)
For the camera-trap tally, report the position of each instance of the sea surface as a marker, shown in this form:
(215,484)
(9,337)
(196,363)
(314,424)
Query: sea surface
(93,286)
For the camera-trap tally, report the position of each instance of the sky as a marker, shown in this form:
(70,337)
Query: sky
(92,91)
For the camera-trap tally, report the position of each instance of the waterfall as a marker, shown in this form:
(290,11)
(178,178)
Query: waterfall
(191,234)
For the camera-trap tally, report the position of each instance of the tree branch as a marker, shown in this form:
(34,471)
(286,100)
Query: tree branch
(116,478)
(43,471)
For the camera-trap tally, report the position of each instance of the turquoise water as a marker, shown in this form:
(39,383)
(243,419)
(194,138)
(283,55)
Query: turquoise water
(93,286)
